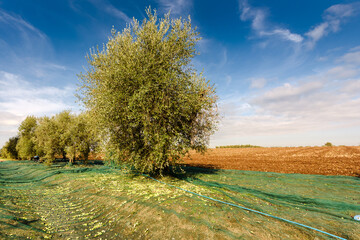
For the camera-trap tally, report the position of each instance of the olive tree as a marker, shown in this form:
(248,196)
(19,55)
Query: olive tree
(53,134)
(146,96)
(26,145)
(64,121)
(46,137)
(83,139)
(9,149)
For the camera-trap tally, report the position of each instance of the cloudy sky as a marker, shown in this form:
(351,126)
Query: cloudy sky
(287,73)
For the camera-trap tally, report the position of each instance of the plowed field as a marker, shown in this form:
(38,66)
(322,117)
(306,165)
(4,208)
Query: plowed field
(339,160)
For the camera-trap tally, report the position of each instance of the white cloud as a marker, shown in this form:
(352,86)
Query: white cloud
(318,32)
(224,58)
(257,82)
(22,44)
(6,134)
(342,11)
(204,45)
(341,72)
(23,47)
(20,98)
(287,92)
(9,119)
(287,35)
(177,7)
(333,17)
(351,87)
(8,126)
(107,7)
(327,103)
(20,24)
(117,13)
(355,49)
(233,105)
(13,87)
(284,34)
(352,58)
(214,60)
(228,80)
(28,38)
(257,16)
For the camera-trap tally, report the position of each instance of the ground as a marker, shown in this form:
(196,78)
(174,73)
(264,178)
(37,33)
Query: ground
(99,202)
(339,160)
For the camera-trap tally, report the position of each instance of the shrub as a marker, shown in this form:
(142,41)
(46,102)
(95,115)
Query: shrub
(328,144)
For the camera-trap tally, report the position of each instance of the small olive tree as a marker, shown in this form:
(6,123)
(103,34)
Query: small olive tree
(47,138)
(53,135)
(83,139)
(9,149)
(26,145)
(147,98)
(328,144)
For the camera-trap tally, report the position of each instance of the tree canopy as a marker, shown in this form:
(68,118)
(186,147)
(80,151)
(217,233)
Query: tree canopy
(26,146)
(9,149)
(145,95)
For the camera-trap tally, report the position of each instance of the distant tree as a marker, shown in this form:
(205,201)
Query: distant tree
(82,138)
(63,121)
(328,144)
(26,144)
(9,149)
(46,137)
(53,134)
(147,98)
(2,152)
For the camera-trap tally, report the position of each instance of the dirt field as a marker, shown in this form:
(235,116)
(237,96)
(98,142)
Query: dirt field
(340,160)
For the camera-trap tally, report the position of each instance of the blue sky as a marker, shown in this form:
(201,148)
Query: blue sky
(287,73)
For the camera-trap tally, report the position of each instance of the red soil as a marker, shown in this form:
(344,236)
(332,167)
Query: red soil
(341,160)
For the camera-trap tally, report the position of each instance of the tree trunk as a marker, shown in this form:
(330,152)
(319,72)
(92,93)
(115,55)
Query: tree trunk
(72,160)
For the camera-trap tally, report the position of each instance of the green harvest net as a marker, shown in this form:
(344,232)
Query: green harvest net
(99,202)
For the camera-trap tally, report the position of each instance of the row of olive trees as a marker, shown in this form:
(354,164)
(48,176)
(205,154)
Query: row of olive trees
(64,135)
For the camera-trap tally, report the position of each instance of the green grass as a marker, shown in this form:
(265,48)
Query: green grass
(93,202)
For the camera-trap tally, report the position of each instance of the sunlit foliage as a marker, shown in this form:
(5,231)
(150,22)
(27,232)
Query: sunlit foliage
(145,95)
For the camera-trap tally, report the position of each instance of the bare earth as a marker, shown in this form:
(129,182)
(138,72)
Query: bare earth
(339,160)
